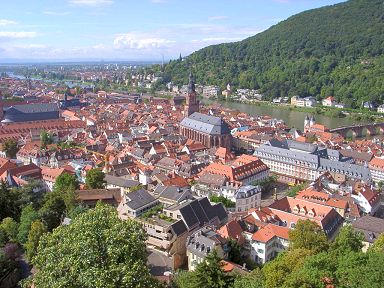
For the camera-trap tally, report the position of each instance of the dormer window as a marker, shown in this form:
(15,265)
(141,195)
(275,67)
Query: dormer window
(296,209)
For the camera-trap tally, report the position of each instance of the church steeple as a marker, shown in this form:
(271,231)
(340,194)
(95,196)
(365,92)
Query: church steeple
(191,84)
(192,104)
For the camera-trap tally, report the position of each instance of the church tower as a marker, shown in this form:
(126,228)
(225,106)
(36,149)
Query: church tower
(192,104)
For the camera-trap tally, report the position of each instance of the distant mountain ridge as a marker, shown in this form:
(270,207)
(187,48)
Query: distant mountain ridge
(334,50)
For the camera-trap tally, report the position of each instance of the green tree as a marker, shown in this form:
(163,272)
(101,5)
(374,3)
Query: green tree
(315,271)
(277,270)
(95,179)
(53,210)
(308,235)
(30,194)
(96,250)
(65,186)
(183,279)
(37,230)
(46,138)
(255,279)
(348,240)
(234,254)
(66,181)
(209,273)
(10,227)
(10,148)
(378,245)
(9,199)
(28,215)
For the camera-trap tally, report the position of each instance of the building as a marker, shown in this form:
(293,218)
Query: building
(211,91)
(209,184)
(329,101)
(209,130)
(267,242)
(49,176)
(287,211)
(178,222)
(31,112)
(134,204)
(296,162)
(243,170)
(367,198)
(371,227)
(201,243)
(376,165)
(192,104)
(380,109)
(90,197)
(247,197)
(124,184)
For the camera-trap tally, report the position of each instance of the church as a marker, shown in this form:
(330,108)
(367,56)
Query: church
(209,130)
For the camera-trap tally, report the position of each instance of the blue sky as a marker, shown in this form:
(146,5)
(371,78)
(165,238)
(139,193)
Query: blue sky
(133,30)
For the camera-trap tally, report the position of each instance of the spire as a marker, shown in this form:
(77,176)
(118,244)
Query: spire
(180,58)
(191,84)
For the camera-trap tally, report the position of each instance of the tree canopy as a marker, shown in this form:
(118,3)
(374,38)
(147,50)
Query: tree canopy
(308,235)
(96,250)
(10,147)
(335,50)
(95,179)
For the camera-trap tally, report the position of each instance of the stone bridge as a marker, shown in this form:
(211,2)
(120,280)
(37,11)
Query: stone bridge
(361,130)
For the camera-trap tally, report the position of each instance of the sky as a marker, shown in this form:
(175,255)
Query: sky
(133,29)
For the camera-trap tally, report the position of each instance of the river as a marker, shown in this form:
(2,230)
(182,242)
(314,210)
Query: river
(292,118)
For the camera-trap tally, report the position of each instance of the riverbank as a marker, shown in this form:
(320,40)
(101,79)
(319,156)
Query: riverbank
(359,115)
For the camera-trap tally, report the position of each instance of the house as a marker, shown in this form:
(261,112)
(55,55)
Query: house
(329,101)
(247,197)
(376,166)
(133,204)
(287,211)
(201,243)
(371,227)
(177,222)
(267,242)
(21,175)
(90,197)
(243,170)
(169,195)
(380,109)
(195,213)
(209,184)
(367,198)
(124,184)
(49,176)
(6,164)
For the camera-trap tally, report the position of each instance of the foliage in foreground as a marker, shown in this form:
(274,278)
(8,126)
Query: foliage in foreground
(96,250)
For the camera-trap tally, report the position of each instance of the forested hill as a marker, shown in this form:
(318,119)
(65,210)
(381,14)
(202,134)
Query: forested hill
(335,50)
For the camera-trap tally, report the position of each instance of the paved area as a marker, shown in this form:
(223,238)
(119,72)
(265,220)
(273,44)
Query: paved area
(158,262)
(269,197)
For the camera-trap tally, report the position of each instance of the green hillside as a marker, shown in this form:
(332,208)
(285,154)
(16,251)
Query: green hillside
(335,50)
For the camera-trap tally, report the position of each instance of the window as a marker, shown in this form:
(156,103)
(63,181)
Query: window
(260,251)
(293,225)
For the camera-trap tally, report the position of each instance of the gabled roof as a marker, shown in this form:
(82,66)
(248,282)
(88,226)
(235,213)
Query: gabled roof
(270,231)
(138,199)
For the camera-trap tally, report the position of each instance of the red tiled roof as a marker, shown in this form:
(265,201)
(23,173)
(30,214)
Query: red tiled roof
(266,233)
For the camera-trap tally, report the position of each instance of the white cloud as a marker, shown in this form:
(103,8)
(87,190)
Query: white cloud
(218,17)
(139,41)
(94,3)
(218,39)
(17,35)
(55,13)
(5,22)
